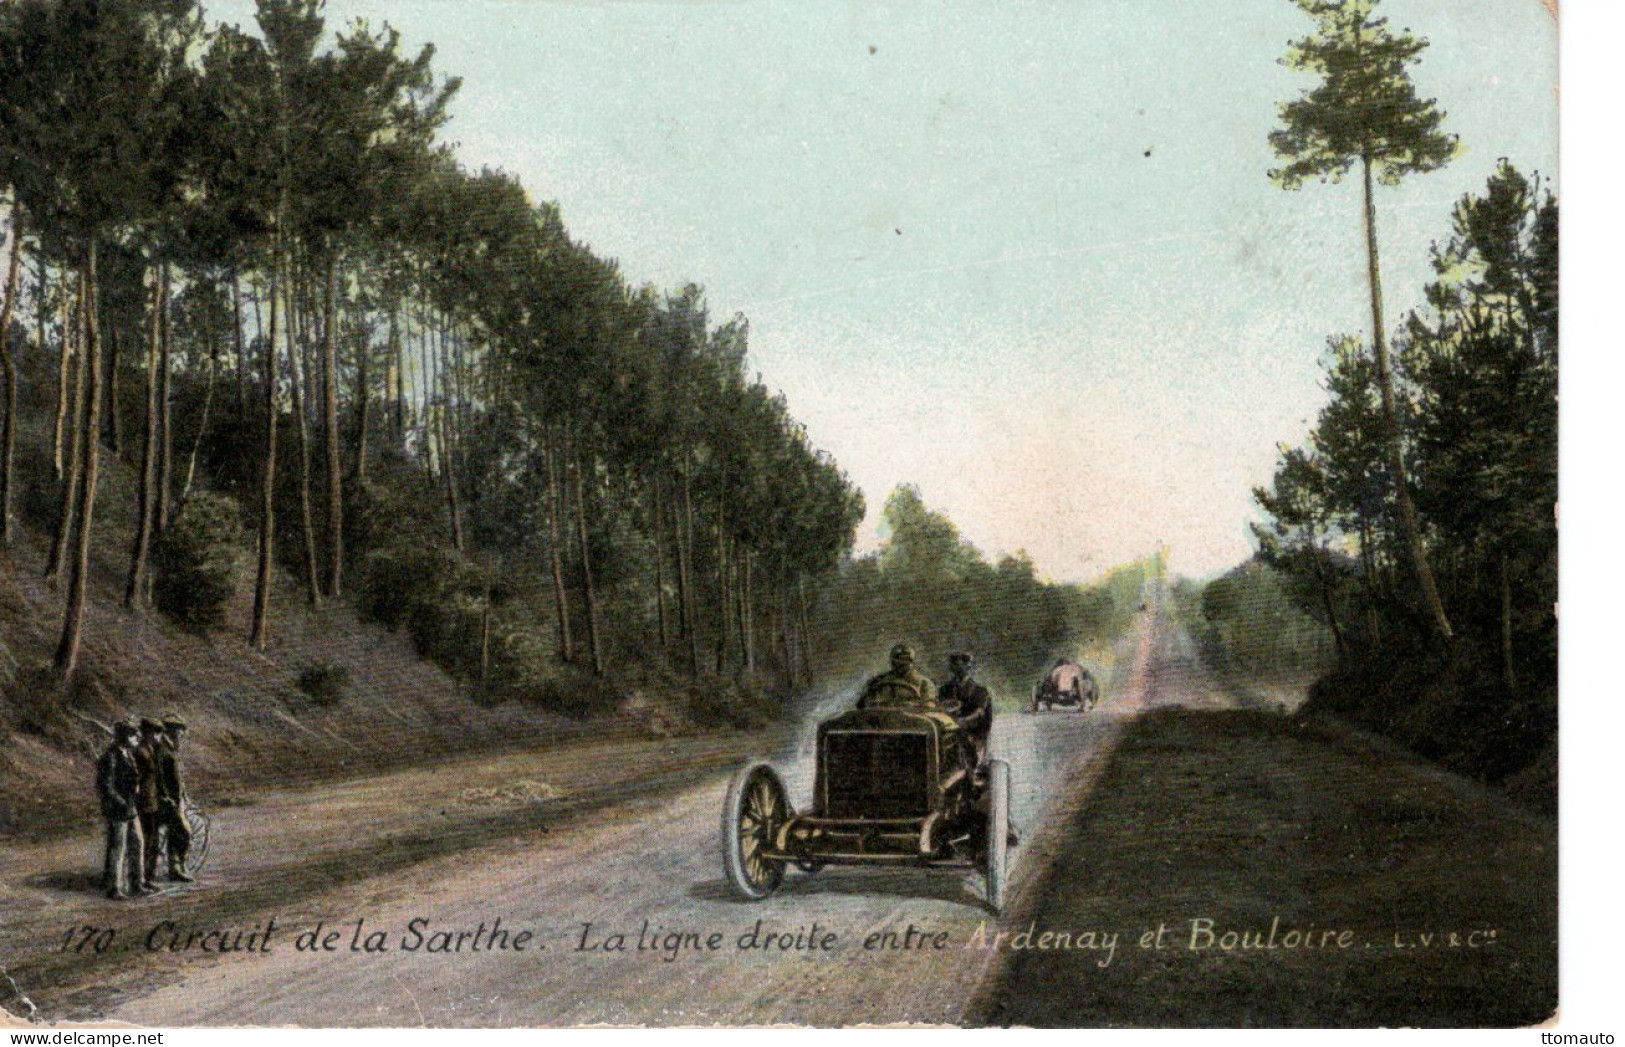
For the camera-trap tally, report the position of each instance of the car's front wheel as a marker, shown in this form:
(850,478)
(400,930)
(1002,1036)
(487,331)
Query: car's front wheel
(755,809)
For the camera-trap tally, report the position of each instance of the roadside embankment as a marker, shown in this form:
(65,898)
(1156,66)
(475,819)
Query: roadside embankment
(1299,874)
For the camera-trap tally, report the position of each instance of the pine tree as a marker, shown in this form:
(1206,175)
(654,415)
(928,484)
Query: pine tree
(1366,111)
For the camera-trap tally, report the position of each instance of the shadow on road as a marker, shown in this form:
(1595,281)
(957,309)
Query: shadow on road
(68,881)
(943,886)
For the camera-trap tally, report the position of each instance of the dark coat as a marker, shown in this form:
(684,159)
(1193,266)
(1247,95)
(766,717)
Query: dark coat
(146,788)
(970,704)
(116,782)
(169,776)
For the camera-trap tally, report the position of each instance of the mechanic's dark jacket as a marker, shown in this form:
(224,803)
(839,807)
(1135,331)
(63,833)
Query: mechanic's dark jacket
(169,776)
(116,780)
(969,703)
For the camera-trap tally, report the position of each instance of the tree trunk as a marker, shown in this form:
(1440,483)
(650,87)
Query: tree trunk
(64,361)
(804,630)
(448,472)
(398,362)
(71,468)
(427,375)
(237,344)
(561,598)
(261,632)
(42,307)
(308,336)
(448,477)
(723,590)
(1315,553)
(485,638)
(67,649)
(1396,453)
(685,631)
(363,390)
(660,569)
(1508,669)
(330,432)
(594,644)
(166,439)
(113,431)
(147,490)
(747,613)
(686,565)
(8,371)
(203,420)
(781,611)
(297,380)
(1368,576)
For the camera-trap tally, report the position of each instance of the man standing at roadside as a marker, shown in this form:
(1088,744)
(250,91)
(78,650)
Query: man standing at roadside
(116,782)
(171,817)
(146,796)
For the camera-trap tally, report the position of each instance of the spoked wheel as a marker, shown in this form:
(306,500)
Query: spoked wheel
(198,853)
(754,811)
(998,833)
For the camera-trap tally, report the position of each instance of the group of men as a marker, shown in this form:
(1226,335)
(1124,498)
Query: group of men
(139,781)
(962,698)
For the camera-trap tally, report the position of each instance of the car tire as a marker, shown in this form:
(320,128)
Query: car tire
(755,807)
(998,833)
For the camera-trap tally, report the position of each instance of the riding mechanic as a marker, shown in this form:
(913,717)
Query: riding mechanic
(971,706)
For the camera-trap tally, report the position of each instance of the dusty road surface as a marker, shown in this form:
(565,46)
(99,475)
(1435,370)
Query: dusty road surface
(607,877)
(584,885)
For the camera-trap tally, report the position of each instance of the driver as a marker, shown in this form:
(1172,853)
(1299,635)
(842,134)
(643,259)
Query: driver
(1067,678)
(904,687)
(969,703)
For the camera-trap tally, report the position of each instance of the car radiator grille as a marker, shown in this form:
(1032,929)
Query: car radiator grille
(872,775)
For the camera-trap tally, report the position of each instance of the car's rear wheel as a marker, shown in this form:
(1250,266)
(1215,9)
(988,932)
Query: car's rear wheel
(998,832)
(752,814)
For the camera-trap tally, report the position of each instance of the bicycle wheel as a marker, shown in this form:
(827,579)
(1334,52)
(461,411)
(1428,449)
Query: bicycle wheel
(198,822)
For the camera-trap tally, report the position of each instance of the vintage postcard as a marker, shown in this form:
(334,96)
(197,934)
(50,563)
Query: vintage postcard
(739,514)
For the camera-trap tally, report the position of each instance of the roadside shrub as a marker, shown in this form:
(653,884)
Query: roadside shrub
(196,562)
(325,683)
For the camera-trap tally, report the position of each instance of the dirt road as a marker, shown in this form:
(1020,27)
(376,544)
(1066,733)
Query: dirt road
(523,891)
(638,869)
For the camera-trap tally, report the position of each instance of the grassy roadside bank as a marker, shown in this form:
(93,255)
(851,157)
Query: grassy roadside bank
(1244,818)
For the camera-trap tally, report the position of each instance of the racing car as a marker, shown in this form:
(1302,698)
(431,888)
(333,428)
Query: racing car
(892,789)
(1068,685)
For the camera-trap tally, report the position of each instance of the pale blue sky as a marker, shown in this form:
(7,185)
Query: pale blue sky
(958,261)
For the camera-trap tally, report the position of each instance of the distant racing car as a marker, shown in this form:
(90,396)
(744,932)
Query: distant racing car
(1068,685)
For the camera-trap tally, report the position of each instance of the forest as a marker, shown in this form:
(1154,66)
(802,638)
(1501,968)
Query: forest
(1417,521)
(245,273)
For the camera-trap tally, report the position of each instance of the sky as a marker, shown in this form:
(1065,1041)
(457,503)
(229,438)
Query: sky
(1023,255)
